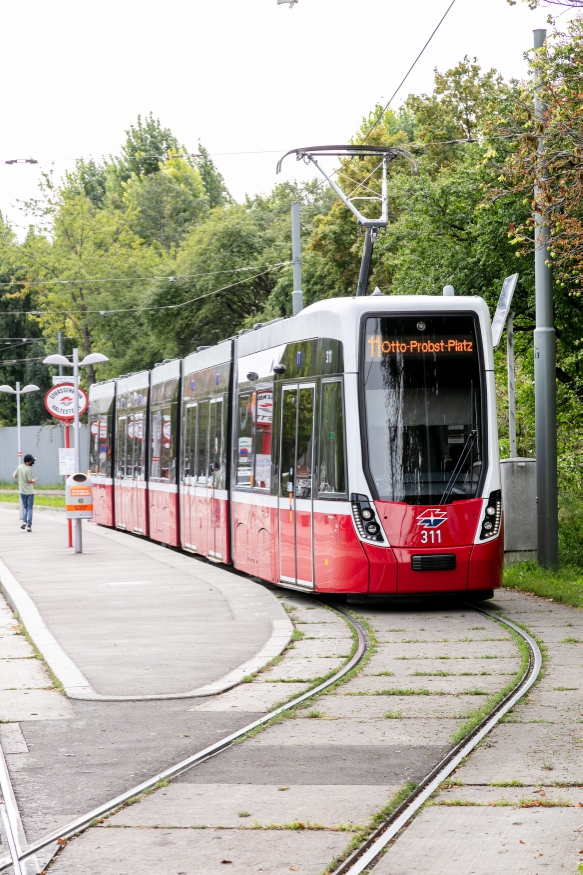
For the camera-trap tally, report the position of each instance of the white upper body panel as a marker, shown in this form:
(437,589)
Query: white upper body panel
(341,319)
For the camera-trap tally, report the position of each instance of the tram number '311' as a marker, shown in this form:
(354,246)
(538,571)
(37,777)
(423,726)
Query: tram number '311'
(433,536)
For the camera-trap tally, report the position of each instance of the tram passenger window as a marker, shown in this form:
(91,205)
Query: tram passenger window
(156,444)
(139,446)
(332,477)
(263,436)
(245,441)
(203,429)
(216,444)
(104,445)
(167,454)
(305,443)
(189,444)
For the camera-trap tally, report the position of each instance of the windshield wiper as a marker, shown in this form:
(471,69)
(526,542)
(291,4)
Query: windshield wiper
(467,449)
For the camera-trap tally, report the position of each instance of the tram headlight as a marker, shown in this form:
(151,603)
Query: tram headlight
(364,518)
(492,516)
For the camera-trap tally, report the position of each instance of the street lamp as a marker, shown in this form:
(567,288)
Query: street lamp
(93,358)
(18,392)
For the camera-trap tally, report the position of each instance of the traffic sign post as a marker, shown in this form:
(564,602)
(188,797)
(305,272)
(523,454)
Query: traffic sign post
(59,401)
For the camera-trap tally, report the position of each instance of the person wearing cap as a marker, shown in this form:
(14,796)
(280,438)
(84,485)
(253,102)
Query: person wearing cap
(26,488)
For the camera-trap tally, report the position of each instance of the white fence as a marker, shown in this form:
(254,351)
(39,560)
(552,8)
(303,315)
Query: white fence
(43,441)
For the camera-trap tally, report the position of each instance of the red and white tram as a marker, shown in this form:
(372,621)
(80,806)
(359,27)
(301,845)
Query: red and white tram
(352,448)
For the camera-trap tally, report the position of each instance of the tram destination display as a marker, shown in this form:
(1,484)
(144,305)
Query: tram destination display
(377,346)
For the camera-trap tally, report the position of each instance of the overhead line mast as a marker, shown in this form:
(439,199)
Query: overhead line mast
(387,155)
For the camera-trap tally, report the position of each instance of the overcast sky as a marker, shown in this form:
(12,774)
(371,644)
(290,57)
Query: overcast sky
(241,76)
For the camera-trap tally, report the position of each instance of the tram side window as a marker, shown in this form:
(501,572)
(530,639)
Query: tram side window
(139,446)
(189,444)
(203,429)
(216,467)
(121,448)
(263,437)
(332,471)
(94,446)
(167,454)
(156,444)
(245,441)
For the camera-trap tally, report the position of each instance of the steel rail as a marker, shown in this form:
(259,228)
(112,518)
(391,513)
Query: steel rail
(81,823)
(365,857)
(11,813)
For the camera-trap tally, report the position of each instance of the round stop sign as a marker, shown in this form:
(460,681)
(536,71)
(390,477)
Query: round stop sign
(59,401)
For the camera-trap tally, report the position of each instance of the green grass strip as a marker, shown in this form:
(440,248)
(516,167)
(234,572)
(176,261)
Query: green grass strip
(565,585)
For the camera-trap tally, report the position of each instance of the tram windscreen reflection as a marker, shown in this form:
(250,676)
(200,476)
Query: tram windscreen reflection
(422,396)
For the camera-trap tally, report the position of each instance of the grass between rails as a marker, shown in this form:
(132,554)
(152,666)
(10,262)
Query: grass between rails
(565,585)
(39,500)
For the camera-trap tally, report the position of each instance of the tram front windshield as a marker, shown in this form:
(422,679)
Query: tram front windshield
(423,411)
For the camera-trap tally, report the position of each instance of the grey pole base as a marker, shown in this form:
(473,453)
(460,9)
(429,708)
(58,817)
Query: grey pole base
(78,536)
(546,448)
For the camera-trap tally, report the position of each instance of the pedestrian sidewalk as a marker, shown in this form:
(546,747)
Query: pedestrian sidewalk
(130,619)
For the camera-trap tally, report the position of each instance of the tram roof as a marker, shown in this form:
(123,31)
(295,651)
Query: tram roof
(340,319)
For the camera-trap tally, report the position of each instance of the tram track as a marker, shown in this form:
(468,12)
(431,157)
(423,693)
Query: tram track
(366,855)
(86,820)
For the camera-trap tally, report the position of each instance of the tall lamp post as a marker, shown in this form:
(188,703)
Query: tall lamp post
(93,358)
(18,392)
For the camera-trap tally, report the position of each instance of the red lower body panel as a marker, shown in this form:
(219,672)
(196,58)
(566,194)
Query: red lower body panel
(340,562)
(131,508)
(409,581)
(164,516)
(204,524)
(487,563)
(103,504)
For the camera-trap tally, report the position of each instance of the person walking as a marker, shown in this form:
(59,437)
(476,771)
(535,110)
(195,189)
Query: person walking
(26,488)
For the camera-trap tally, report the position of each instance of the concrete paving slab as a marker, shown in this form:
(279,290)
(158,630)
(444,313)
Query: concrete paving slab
(328,629)
(182,626)
(308,732)
(23,674)
(252,697)
(245,805)
(296,668)
(317,764)
(107,851)
(323,647)
(410,707)
(535,753)
(450,686)
(487,841)
(11,739)
(399,666)
(455,649)
(15,647)
(528,795)
(20,705)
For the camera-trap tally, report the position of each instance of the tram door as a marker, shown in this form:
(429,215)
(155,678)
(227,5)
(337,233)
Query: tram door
(295,485)
(188,508)
(216,475)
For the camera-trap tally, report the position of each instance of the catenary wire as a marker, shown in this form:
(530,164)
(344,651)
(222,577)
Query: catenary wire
(406,76)
(128,279)
(108,312)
